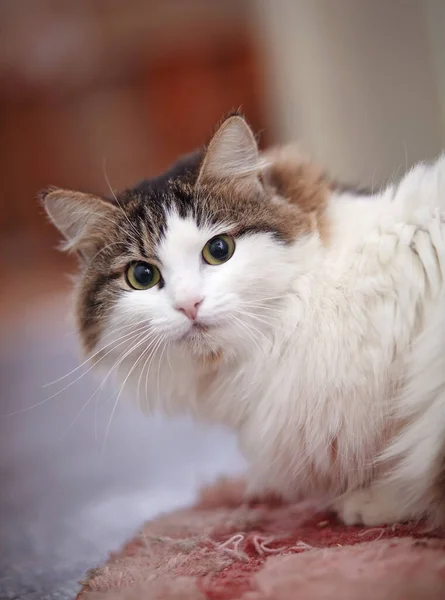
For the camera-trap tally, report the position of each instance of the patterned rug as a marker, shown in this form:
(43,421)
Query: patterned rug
(223,548)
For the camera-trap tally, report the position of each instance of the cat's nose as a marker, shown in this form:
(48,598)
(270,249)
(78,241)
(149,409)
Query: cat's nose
(189,308)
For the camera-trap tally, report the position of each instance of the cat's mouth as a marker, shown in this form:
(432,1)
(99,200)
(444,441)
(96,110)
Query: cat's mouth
(196,330)
(200,327)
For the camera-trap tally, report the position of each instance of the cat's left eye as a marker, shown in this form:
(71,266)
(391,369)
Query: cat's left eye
(142,275)
(218,250)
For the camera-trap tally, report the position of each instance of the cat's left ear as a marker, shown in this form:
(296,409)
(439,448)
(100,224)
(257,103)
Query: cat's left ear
(232,155)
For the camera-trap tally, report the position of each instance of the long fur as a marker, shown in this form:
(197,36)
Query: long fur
(323,339)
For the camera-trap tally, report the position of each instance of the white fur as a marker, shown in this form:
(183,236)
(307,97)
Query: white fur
(333,356)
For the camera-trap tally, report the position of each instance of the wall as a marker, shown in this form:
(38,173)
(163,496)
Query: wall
(356,81)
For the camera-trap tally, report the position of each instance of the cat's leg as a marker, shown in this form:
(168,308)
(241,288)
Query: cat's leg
(377,504)
(414,485)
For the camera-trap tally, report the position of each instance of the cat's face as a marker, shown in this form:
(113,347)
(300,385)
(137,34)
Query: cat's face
(207,286)
(197,258)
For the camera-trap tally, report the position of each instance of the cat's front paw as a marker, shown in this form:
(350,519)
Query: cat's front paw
(368,507)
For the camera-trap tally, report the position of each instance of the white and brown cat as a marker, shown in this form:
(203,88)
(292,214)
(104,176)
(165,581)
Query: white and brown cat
(248,289)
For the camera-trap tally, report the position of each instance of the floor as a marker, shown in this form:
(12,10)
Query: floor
(69,493)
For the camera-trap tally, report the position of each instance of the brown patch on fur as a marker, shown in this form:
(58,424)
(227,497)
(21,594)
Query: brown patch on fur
(303,185)
(213,359)
(333,451)
(94,303)
(279,191)
(251,211)
(208,361)
(102,281)
(208,368)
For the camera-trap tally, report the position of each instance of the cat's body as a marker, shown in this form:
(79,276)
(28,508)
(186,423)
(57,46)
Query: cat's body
(321,341)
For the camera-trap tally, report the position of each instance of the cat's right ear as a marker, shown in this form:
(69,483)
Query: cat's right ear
(81,218)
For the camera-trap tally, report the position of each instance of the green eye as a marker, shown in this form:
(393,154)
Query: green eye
(142,276)
(218,250)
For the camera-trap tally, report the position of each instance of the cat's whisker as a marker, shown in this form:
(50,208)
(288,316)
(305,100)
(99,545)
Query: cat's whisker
(159,367)
(122,388)
(147,364)
(124,339)
(263,306)
(152,346)
(263,343)
(145,353)
(148,354)
(249,320)
(280,297)
(150,362)
(90,358)
(249,332)
(259,315)
(132,227)
(107,247)
(119,361)
(247,329)
(263,319)
(169,344)
(45,400)
(249,315)
(76,418)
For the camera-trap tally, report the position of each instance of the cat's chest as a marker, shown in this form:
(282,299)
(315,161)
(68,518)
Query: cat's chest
(312,403)
(314,380)
(307,426)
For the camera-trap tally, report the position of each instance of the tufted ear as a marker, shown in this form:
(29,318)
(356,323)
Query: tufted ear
(232,153)
(81,218)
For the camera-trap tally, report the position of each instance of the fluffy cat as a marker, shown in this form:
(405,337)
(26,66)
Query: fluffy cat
(248,289)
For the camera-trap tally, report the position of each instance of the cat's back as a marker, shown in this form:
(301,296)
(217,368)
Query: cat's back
(422,187)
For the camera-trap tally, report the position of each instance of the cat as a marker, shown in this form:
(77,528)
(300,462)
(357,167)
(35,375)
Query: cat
(248,289)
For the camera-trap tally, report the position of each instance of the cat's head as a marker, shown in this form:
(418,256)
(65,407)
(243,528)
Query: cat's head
(196,257)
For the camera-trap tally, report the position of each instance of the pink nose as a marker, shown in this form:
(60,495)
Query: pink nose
(190,308)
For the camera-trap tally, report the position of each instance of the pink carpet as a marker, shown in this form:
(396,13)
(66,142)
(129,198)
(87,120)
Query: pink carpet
(226,549)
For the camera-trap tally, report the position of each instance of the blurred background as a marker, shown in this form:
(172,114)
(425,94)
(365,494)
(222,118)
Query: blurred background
(97,90)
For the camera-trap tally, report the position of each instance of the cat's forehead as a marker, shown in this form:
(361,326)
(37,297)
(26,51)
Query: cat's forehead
(177,217)
(154,210)
(181,214)
(186,230)
(184,238)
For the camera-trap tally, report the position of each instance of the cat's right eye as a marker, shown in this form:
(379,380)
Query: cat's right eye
(142,275)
